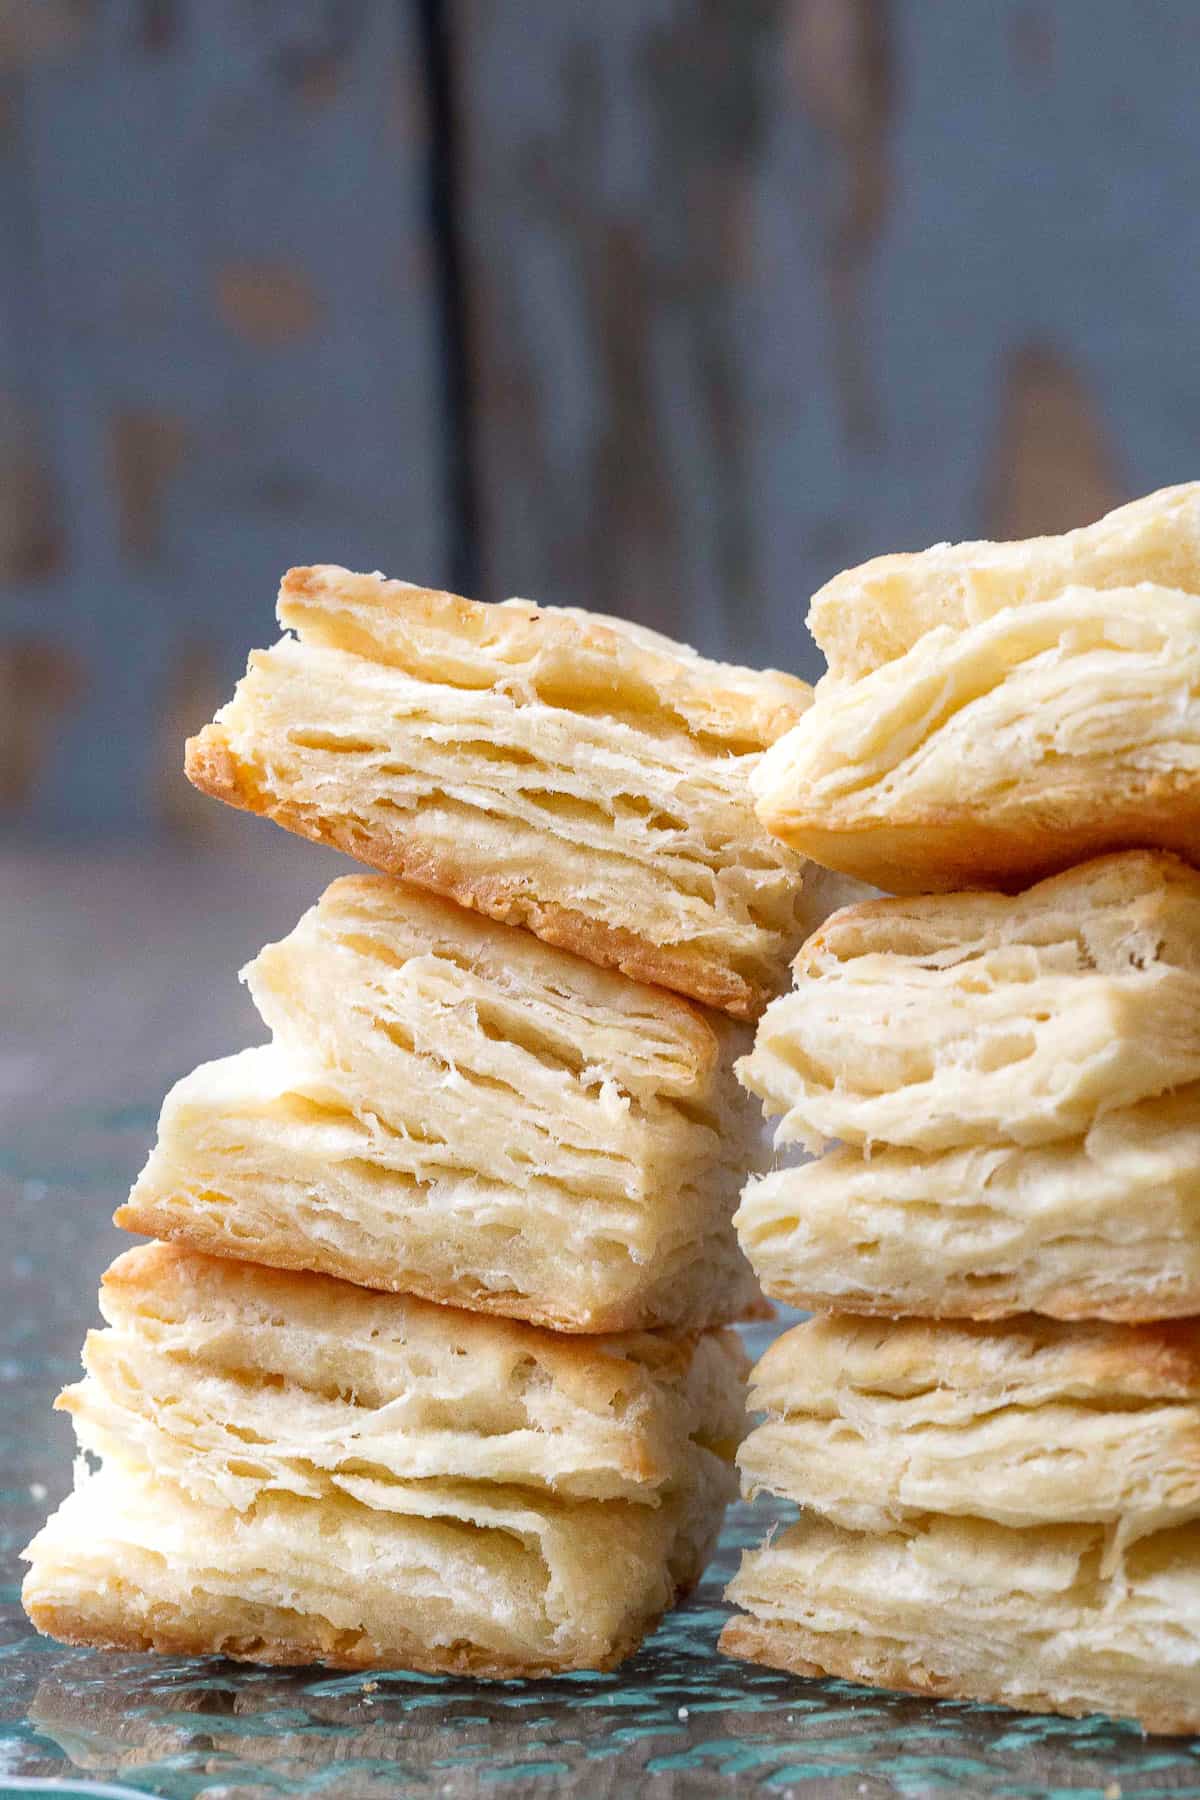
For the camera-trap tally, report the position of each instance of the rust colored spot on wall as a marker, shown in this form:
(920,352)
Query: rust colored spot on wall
(145,449)
(840,57)
(1031,40)
(158,25)
(1052,465)
(191,694)
(266,304)
(30,531)
(38,681)
(33,30)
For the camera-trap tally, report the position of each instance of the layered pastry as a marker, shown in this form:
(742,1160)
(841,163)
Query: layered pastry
(1028,1423)
(453,1109)
(873,614)
(296,1470)
(996,753)
(979,1019)
(1105,1225)
(576,775)
(970,1610)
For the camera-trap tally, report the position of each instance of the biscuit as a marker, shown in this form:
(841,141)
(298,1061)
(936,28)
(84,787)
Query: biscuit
(875,1424)
(1101,1226)
(453,1109)
(982,1019)
(295,1471)
(570,774)
(1029,741)
(964,1609)
(454,1578)
(872,614)
(233,1382)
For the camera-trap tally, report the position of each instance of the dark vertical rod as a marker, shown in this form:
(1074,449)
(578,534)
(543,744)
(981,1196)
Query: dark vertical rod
(444,199)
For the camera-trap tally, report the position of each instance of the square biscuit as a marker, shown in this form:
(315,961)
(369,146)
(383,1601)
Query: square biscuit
(572,774)
(966,1610)
(233,1381)
(1004,751)
(876,1423)
(295,1470)
(873,614)
(454,1109)
(986,1019)
(452,1578)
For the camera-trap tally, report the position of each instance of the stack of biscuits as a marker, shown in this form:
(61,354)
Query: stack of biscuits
(427,1366)
(993,1424)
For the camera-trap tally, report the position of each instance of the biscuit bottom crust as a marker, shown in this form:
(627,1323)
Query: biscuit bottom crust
(875,1662)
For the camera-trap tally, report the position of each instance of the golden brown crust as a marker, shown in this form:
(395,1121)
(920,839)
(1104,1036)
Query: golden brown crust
(1070,1304)
(280,1252)
(877,1664)
(308,1641)
(1014,841)
(211,766)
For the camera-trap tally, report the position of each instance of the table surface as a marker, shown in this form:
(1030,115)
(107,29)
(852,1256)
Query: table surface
(117,974)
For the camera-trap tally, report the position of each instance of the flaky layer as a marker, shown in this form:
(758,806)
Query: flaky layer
(1035,1422)
(464,1581)
(872,614)
(504,1058)
(962,1609)
(557,774)
(234,1381)
(1106,1225)
(977,1018)
(992,755)
(259,1157)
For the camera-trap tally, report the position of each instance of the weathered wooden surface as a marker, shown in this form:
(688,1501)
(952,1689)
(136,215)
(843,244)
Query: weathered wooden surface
(761,290)
(218,356)
(751,291)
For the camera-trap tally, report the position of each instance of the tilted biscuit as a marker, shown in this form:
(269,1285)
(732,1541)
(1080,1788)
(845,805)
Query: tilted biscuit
(968,1610)
(978,1018)
(1101,1226)
(873,614)
(876,1423)
(453,1578)
(1029,741)
(233,1381)
(570,774)
(454,1109)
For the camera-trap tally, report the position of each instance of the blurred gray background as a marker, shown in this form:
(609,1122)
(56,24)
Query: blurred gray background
(666,307)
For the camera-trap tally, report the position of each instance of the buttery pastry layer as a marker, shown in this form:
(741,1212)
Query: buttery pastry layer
(260,1157)
(872,614)
(874,1424)
(455,1578)
(1031,740)
(570,774)
(454,1109)
(1102,1226)
(978,1018)
(503,1057)
(969,1610)
(233,1382)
